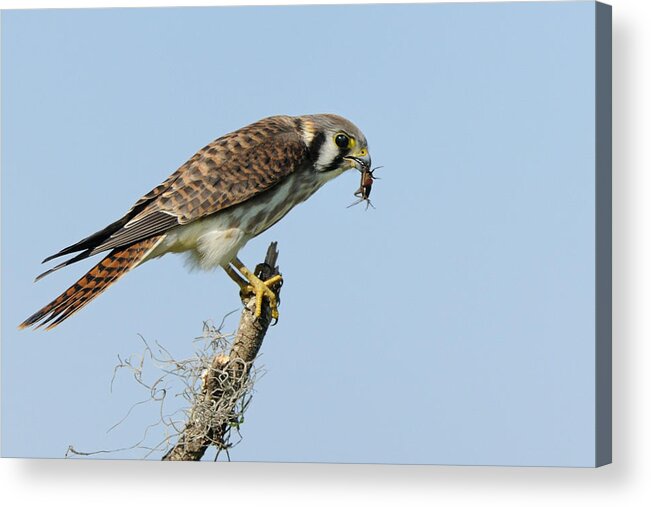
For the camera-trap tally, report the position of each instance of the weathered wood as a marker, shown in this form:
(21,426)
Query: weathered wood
(214,410)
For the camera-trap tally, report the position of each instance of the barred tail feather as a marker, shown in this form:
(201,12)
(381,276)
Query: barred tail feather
(92,284)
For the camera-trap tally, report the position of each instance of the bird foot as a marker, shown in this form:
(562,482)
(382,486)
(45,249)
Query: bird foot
(261,289)
(252,286)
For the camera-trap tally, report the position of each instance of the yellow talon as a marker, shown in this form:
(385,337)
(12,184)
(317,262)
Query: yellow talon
(253,286)
(263,289)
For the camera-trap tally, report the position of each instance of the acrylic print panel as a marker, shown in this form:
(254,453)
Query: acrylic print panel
(463,320)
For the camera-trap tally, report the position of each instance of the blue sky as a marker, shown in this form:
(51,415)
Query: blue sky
(453,324)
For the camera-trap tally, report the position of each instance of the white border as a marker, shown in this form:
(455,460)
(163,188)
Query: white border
(626,482)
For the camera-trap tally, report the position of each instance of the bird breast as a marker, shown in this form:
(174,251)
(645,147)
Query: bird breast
(214,240)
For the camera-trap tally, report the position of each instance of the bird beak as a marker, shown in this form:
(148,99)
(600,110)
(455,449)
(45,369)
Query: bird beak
(360,160)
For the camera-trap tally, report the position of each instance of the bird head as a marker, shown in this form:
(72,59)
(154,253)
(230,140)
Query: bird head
(335,143)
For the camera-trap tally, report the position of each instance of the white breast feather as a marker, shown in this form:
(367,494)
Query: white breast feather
(217,247)
(210,242)
(215,240)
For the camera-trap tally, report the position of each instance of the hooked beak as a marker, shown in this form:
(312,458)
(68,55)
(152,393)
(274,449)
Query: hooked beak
(360,161)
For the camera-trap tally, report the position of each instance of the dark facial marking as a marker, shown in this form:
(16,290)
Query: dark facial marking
(315,146)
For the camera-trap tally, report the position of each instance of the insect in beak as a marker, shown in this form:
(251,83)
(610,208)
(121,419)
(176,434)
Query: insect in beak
(365,186)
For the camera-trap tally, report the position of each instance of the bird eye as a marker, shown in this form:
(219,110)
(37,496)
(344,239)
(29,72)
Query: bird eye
(342,140)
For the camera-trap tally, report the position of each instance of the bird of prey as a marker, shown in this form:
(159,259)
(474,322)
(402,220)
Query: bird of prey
(229,192)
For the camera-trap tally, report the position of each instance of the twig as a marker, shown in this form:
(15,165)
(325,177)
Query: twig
(226,384)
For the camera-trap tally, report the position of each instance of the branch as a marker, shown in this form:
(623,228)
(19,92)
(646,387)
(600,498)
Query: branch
(226,384)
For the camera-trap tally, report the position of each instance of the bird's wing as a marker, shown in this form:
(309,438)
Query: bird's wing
(228,171)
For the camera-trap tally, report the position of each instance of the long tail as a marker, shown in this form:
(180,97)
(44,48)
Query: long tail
(93,283)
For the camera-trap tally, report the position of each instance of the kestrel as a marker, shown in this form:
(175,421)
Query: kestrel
(229,192)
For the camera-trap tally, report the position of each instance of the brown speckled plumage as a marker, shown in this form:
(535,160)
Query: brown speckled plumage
(226,172)
(236,186)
